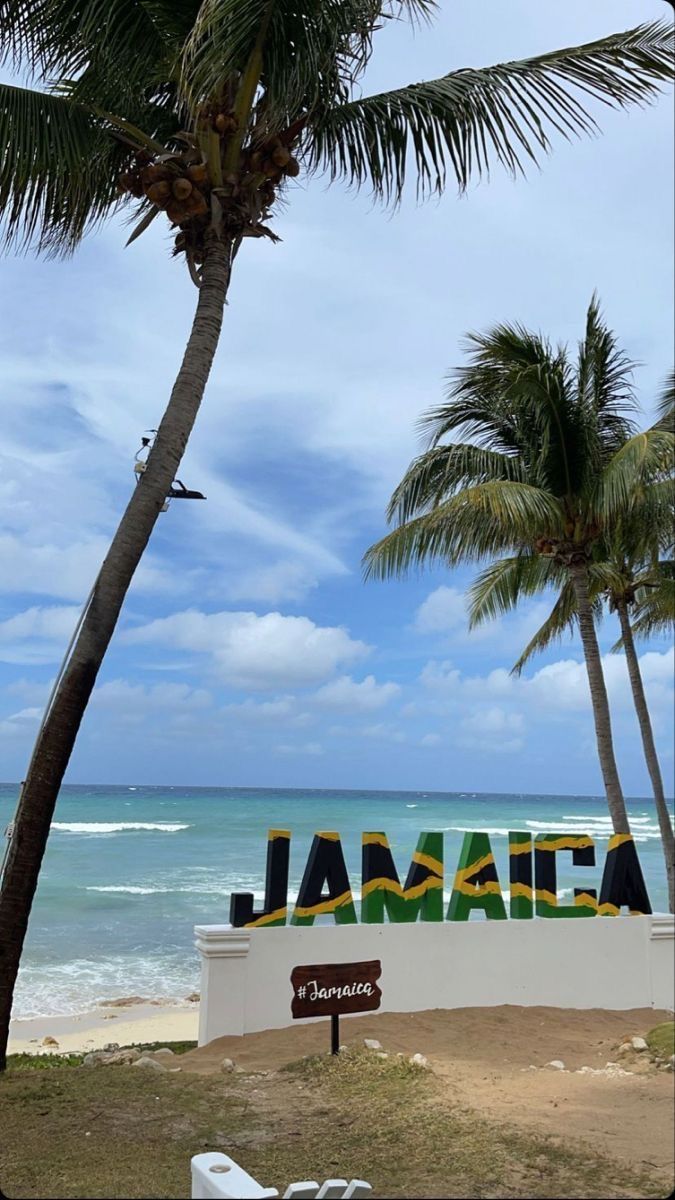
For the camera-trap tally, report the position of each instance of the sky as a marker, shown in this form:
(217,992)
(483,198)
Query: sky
(250,652)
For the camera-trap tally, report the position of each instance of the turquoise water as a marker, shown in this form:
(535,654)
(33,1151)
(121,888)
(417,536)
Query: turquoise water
(129,871)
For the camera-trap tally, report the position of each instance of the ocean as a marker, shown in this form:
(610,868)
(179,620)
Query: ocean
(130,870)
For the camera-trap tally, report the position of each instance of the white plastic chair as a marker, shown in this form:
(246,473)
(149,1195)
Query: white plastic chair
(215,1176)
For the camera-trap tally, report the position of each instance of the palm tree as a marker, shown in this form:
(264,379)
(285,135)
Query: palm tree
(549,460)
(206,110)
(628,575)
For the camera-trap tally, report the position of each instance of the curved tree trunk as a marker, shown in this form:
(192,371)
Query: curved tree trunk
(59,731)
(596,680)
(667,837)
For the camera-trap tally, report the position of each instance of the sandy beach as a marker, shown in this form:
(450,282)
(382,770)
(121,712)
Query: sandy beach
(151,1021)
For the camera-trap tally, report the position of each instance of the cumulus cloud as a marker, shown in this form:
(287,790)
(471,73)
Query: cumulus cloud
(346,695)
(494,730)
(65,571)
(443,610)
(249,651)
(37,635)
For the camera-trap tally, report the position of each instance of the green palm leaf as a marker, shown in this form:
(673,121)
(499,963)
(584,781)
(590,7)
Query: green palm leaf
(506,114)
(499,588)
(58,169)
(442,470)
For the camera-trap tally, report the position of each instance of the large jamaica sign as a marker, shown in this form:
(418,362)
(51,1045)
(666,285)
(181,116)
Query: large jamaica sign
(326,889)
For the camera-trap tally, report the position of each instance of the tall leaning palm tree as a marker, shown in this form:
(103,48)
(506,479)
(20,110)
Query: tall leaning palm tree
(547,457)
(201,113)
(628,575)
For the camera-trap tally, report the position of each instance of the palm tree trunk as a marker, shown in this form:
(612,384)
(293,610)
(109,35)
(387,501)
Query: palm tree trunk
(635,676)
(59,731)
(596,680)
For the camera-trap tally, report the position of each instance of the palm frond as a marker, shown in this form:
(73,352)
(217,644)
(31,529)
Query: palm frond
(666,405)
(499,588)
(439,472)
(653,613)
(58,170)
(559,622)
(604,387)
(482,521)
(63,37)
(311,51)
(464,122)
(640,461)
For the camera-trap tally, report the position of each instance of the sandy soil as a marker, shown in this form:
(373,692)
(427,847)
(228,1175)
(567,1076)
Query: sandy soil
(484,1055)
(91,1031)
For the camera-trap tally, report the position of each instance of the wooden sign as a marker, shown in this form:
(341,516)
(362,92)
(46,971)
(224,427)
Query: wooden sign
(330,989)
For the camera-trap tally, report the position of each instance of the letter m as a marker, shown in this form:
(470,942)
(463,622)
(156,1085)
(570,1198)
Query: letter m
(381,890)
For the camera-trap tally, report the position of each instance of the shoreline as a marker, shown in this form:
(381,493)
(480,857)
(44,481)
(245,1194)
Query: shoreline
(125,1023)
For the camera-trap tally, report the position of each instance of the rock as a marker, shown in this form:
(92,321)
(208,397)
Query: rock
(671,1060)
(165,1051)
(49,1041)
(557,1064)
(110,1046)
(149,1062)
(123,1002)
(381,1054)
(228,1065)
(624,1048)
(639,1043)
(193,998)
(122,1058)
(418,1060)
(93,1059)
(372,1044)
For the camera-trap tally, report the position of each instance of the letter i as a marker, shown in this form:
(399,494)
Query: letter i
(520,876)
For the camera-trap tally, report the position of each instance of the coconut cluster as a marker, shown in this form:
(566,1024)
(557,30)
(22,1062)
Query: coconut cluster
(180,184)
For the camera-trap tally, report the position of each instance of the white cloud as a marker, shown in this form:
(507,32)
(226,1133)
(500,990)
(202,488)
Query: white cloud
(312,749)
(492,730)
(65,571)
(37,635)
(284,580)
(383,732)
(132,699)
(443,610)
(255,652)
(431,739)
(346,695)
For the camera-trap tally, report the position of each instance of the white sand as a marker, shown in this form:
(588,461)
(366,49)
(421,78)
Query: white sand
(92,1030)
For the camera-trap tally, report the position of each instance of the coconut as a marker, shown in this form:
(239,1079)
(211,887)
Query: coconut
(293,167)
(281,156)
(159,193)
(255,160)
(225,123)
(198,173)
(176,212)
(181,188)
(195,205)
(153,173)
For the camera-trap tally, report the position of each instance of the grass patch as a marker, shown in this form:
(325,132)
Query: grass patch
(661,1039)
(117,1132)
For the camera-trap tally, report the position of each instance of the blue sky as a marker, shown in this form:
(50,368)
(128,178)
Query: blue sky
(250,652)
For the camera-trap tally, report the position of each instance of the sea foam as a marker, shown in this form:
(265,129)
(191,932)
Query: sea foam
(96,827)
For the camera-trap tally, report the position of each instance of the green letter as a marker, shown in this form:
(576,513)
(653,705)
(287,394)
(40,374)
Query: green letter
(476,882)
(381,888)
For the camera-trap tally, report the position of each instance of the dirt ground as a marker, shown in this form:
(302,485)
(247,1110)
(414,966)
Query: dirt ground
(489,1120)
(483,1056)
